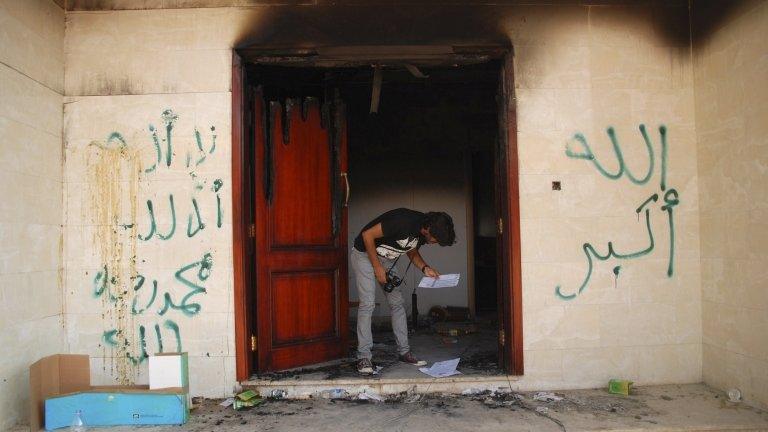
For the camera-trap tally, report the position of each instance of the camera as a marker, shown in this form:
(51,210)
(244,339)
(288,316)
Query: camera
(393,281)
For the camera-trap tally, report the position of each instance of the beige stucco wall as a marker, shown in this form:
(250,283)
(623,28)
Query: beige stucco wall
(731,64)
(578,69)
(31,87)
(581,71)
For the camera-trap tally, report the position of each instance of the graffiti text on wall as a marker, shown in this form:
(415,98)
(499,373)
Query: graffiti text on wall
(579,148)
(127,294)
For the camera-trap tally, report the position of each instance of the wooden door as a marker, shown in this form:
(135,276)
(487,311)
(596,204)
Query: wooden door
(509,278)
(300,230)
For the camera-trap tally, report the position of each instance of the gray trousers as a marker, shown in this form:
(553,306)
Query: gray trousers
(367,285)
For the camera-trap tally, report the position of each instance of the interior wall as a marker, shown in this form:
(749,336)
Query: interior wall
(579,69)
(382,183)
(31,88)
(414,153)
(731,64)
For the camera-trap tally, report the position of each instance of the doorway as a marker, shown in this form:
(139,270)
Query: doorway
(415,151)
(429,145)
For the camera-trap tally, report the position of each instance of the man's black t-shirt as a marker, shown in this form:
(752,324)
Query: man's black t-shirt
(401,228)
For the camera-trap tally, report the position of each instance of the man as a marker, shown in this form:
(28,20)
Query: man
(377,247)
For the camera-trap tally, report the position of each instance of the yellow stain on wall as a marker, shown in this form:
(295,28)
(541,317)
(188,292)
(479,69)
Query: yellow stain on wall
(112,194)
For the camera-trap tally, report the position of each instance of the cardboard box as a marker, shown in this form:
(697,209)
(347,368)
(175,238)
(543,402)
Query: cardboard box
(55,375)
(116,406)
(168,370)
(61,384)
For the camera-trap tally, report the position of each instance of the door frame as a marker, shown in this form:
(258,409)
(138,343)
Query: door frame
(509,261)
(243,179)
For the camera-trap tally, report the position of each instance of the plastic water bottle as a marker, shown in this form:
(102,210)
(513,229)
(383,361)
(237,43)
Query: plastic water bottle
(78,425)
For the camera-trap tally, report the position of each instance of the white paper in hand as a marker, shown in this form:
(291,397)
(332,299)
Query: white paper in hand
(444,281)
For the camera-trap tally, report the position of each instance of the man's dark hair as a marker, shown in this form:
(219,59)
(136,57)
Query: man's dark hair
(440,227)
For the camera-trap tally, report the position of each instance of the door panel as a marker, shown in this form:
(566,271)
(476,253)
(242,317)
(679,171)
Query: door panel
(300,214)
(303,306)
(301,259)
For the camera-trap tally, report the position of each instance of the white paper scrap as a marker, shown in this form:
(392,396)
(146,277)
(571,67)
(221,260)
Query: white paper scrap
(227,402)
(444,281)
(370,396)
(547,397)
(442,369)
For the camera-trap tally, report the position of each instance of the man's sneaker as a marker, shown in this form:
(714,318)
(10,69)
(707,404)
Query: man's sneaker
(410,359)
(364,366)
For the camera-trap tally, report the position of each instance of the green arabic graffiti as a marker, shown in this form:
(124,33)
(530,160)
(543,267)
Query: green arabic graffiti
(169,117)
(217,184)
(158,152)
(204,267)
(671,199)
(193,276)
(109,338)
(153,221)
(102,285)
(588,155)
(590,252)
(200,225)
(136,311)
(199,142)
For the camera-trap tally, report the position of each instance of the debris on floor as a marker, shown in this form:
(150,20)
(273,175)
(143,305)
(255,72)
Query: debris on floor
(336,393)
(247,395)
(734,395)
(246,399)
(442,369)
(449,313)
(478,352)
(621,387)
(370,396)
(679,407)
(547,397)
(481,362)
(455,328)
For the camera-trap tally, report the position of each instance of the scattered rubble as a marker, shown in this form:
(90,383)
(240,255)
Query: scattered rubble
(547,397)
(503,406)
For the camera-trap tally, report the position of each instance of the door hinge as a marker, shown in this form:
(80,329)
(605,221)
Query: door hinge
(252,230)
(254,344)
(501,226)
(502,337)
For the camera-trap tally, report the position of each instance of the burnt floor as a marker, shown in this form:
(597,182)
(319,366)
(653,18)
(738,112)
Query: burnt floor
(477,350)
(692,407)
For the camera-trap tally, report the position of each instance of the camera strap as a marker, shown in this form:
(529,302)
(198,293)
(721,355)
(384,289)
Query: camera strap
(393,264)
(406,269)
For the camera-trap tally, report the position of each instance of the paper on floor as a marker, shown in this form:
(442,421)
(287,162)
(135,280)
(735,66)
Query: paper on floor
(370,396)
(442,369)
(547,397)
(444,281)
